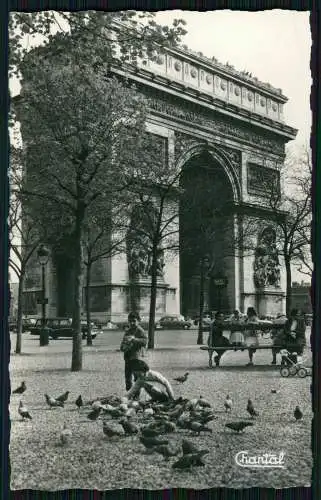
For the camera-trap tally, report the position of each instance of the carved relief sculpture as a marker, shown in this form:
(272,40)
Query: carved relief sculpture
(260,179)
(266,263)
(139,252)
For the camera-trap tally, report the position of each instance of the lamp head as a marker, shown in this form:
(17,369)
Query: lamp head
(43,254)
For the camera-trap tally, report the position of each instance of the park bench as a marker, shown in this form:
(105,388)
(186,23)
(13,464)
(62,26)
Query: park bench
(263,329)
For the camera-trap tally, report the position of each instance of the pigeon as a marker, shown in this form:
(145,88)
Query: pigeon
(65,435)
(166,451)
(113,429)
(203,403)
(182,379)
(151,442)
(150,432)
(238,426)
(228,403)
(189,448)
(183,422)
(202,417)
(176,412)
(186,461)
(97,404)
(63,398)
(129,427)
(155,393)
(169,427)
(298,413)
(21,389)
(250,409)
(23,411)
(79,402)
(94,414)
(198,427)
(52,402)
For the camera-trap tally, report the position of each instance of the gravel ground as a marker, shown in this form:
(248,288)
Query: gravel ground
(92,461)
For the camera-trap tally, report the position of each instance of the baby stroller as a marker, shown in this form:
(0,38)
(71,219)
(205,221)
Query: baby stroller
(294,365)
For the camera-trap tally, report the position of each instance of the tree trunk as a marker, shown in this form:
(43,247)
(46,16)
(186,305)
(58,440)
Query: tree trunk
(288,287)
(153,295)
(201,306)
(88,279)
(19,313)
(76,363)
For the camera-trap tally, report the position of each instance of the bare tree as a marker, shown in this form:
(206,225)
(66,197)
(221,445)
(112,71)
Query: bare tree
(154,194)
(288,199)
(102,238)
(23,238)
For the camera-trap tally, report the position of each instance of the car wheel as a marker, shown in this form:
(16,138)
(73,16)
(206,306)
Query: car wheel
(185,327)
(53,336)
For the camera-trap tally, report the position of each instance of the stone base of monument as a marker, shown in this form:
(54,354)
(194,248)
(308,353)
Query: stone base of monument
(270,302)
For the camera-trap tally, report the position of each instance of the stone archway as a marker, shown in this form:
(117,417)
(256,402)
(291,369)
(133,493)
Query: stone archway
(207,231)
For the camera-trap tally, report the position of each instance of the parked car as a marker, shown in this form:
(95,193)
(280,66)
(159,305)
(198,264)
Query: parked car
(27,323)
(176,322)
(144,322)
(59,328)
(84,329)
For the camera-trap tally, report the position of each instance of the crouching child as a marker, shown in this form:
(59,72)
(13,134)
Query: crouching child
(144,378)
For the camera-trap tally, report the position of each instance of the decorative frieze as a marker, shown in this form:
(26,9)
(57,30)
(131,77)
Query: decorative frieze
(215,124)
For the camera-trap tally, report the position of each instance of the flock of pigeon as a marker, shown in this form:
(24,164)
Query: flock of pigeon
(153,420)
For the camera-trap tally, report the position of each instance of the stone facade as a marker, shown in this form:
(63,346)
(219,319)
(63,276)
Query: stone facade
(201,106)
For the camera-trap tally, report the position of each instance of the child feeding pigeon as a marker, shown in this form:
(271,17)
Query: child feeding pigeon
(134,340)
(143,376)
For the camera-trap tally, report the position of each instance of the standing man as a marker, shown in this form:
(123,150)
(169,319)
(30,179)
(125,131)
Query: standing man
(134,340)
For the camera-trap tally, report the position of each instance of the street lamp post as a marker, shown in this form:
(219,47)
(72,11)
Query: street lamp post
(43,256)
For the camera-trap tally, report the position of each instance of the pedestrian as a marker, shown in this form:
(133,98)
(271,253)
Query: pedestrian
(144,375)
(294,330)
(216,337)
(133,341)
(251,338)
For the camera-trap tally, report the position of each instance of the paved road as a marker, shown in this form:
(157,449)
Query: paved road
(164,340)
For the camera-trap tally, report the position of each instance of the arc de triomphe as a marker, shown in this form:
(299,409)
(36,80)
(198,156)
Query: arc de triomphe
(209,115)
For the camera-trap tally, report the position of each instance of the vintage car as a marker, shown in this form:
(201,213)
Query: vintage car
(174,322)
(61,328)
(27,323)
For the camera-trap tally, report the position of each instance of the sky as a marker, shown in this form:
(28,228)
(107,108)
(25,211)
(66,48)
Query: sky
(273,45)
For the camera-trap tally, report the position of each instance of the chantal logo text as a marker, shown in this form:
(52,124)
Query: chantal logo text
(266,460)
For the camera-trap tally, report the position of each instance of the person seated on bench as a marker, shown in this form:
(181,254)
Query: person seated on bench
(251,338)
(278,337)
(216,337)
(236,337)
(294,330)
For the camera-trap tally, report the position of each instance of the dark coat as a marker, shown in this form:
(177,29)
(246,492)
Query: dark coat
(132,347)
(298,342)
(216,336)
